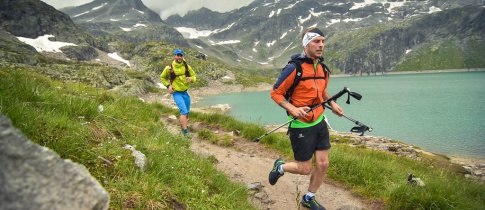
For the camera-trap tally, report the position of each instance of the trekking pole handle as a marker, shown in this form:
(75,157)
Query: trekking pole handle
(345,90)
(333,98)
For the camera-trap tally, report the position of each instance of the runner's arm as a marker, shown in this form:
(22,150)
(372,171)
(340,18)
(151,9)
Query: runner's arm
(336,109)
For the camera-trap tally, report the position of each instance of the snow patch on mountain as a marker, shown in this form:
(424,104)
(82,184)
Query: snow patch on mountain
(192,33)
(141,12)
(225,42)
(99,7)
(434,9)
(117,57)
(135,26)
(43,44)
(93,9)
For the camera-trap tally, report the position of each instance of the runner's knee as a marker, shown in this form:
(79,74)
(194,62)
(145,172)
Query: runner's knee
(305,168)
(322,165)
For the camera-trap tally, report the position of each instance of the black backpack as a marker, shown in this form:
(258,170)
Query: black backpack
(173,75)
(299,77)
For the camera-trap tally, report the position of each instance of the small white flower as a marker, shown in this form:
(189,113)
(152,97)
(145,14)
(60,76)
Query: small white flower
(100,108)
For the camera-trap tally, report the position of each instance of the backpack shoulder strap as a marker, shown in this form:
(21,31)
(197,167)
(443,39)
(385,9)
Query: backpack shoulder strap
(187,73)
(326,70)
(298,76)
(172,73)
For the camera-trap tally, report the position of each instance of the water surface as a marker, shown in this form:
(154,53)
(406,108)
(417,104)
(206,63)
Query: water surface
(439,112)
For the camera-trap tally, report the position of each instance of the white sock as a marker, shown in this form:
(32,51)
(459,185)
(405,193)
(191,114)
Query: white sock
(280,169)
(309,194)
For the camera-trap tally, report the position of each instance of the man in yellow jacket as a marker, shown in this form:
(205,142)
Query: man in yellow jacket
(177,78)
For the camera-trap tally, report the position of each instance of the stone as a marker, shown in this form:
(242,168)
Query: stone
(35,177)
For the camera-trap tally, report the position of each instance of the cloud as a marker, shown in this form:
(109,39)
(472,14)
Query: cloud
(169,7)
(166,8)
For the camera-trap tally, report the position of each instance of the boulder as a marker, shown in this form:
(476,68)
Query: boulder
(35,177)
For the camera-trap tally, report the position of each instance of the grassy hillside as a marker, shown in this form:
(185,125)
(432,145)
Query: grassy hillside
(64,116)
(446,54)
(68,121)
(451,39)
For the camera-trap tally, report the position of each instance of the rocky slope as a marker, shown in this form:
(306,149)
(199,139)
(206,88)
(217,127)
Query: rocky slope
(454,34)
(129,20)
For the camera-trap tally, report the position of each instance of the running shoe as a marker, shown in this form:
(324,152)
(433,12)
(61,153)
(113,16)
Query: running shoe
(188,135)
(311,204)
(274,175)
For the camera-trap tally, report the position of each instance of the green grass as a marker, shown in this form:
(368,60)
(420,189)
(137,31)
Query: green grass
(69,123)
(434,57)
(175,178)
(208,135)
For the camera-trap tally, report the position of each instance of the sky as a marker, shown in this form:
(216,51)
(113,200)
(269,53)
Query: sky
(168,7)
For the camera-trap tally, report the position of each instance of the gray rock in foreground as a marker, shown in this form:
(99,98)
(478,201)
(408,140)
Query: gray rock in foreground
(35,177)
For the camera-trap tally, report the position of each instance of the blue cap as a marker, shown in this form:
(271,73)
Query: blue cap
(178,51)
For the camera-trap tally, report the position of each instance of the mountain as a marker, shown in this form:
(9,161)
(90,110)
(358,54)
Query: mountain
(56,45)
(35,36)
(250,42)
(33,19)
(126,13)
(451,39)
(129,20)
(266,32)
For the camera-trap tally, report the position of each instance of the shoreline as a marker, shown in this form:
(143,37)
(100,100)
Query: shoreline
(223,89)
(413,72)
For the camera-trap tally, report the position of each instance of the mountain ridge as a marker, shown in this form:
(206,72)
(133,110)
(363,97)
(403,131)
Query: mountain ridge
(130,11)
(261,37)
(255,40)
(129,20)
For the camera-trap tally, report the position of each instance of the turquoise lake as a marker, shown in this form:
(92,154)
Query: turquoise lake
(438,112)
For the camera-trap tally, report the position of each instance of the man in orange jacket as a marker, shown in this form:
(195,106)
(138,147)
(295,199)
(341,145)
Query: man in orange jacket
(309,133)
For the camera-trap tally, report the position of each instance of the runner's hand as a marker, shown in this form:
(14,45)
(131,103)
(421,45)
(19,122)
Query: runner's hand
(170,89)
(299,112)
(336,109)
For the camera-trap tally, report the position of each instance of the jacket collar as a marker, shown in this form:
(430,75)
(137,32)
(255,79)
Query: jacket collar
(303,57)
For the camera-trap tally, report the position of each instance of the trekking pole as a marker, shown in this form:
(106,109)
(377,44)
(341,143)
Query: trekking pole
(362,129)
(345,90)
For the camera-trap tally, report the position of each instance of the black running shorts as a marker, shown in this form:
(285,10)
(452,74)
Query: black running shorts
(305,141)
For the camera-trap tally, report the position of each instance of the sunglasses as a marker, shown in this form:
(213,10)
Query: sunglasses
(180,55)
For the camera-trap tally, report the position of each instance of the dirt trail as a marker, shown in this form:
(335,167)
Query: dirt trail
(250,162)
